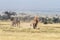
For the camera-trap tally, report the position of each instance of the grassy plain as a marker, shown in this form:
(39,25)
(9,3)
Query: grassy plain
(25,32)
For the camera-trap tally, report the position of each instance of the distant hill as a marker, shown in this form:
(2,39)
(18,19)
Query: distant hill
(42,12)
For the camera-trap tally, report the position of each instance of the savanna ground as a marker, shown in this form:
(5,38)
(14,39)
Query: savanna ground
(26,32)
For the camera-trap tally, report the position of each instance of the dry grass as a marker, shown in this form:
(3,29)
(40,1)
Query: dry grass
(25,32)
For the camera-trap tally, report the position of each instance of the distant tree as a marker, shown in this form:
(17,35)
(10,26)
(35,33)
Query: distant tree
(55,20)
(8,14)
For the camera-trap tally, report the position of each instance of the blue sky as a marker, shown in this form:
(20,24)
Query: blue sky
(29,4)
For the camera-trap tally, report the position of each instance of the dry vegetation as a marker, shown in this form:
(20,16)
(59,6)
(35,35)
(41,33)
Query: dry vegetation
(25,32)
